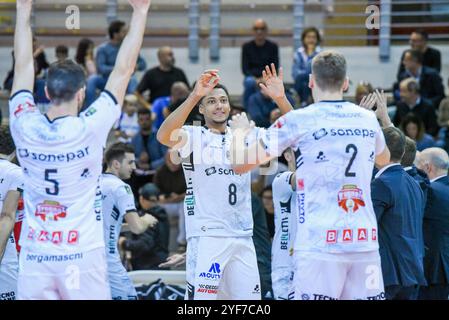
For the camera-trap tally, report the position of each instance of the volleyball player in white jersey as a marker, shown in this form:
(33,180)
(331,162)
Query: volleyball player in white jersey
(336,144)
(285,215)
(221,260)
(11,185)
(63,255)
(118,204)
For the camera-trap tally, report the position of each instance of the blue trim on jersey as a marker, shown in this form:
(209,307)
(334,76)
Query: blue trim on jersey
(111,96)
(18,92)
(57,118)
(332,101)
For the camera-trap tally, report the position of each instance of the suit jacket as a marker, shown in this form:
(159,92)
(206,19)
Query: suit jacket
(436,232)
(430,83)
(431,59)
(423,110)
(399,206)
(422,179)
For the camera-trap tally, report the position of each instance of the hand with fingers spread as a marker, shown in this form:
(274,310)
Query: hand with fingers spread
(206,83)
(382,109)
(368,102)
(240,124)
(273,85)
(175,260)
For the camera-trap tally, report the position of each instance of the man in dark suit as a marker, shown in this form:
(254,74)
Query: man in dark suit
(435,162)
(431,56)
(407,163)
(411,101)
(429,80)
(398,202)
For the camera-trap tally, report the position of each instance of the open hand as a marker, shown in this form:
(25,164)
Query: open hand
(174,261)
(273,84)
(240,124)
(206,82)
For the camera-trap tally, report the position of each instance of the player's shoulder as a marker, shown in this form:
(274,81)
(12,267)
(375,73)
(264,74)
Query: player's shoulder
(9,168)
(283,177)
(113,184)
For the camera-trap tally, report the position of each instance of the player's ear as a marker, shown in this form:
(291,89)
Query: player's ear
(346,84)
(201,108)
(46,93)
(311,81)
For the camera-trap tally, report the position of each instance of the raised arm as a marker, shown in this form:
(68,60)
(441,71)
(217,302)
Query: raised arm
(23,48)
(7,218)
(205,84)
(274,87)
(129,51)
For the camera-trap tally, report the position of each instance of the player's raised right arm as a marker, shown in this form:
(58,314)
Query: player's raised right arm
(23,48)
(205,84)
(129,51)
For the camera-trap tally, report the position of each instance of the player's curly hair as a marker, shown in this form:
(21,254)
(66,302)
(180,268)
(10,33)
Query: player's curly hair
(7,145)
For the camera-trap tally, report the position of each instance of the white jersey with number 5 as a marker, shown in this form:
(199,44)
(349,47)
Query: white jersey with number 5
(335,144)
(217,201)
(61,160)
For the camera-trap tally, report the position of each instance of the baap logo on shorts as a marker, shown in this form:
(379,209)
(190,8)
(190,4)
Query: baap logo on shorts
(350,198)
(213,273)
(50,211)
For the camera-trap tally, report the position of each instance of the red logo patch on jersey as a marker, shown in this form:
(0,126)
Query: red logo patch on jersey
(350,198)
(73,237)
(23,108)
(279,123)
(331,236)
(362,235)
(347,235)
(300,184)
(31,233)
(51,211)
(43,236)
(374,235)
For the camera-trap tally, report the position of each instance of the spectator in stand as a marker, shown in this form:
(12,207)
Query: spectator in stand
(302,63)
(407,163)
(170,180)
(256,54)
(39,57)
(105,60)
(149,152)
(399,213)
(179,91)
(267,200)
(85,56)
(150,248)
(413,102)
(413,128)
(127,125)
(160,79)
(260,106)
(61,53)
(430,82)
(443,122)
(431,56)
(435,162)
(363,89)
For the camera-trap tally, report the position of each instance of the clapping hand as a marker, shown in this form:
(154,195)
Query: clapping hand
(273,84)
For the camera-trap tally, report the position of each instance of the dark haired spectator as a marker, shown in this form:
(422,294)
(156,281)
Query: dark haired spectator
(61,53)
(430,82)
(302,62)
(412,102)
(408,163)
(431,56)
(443,122)
(256,54)
(149,152)
(435,162)
(40,59)
(159,80)
(85,56)
(363,89)
(268,205)
(399,213)
(150,248)
(413,128)
(171,182)
(105,61)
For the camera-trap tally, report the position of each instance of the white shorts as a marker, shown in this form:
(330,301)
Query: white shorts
(77,276)
(222,268)
(8,281)
(347,276)
(281,282)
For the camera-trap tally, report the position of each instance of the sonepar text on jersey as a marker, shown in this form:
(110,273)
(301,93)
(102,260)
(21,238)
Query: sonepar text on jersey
(51,158)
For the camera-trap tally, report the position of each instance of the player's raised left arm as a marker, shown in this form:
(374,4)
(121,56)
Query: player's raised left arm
(7,218)
(23,48)
(129,51)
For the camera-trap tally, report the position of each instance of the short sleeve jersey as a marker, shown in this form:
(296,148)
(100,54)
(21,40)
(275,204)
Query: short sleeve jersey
(118,200)
(61,161)
(217,201)
(10,180)
(335,144)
